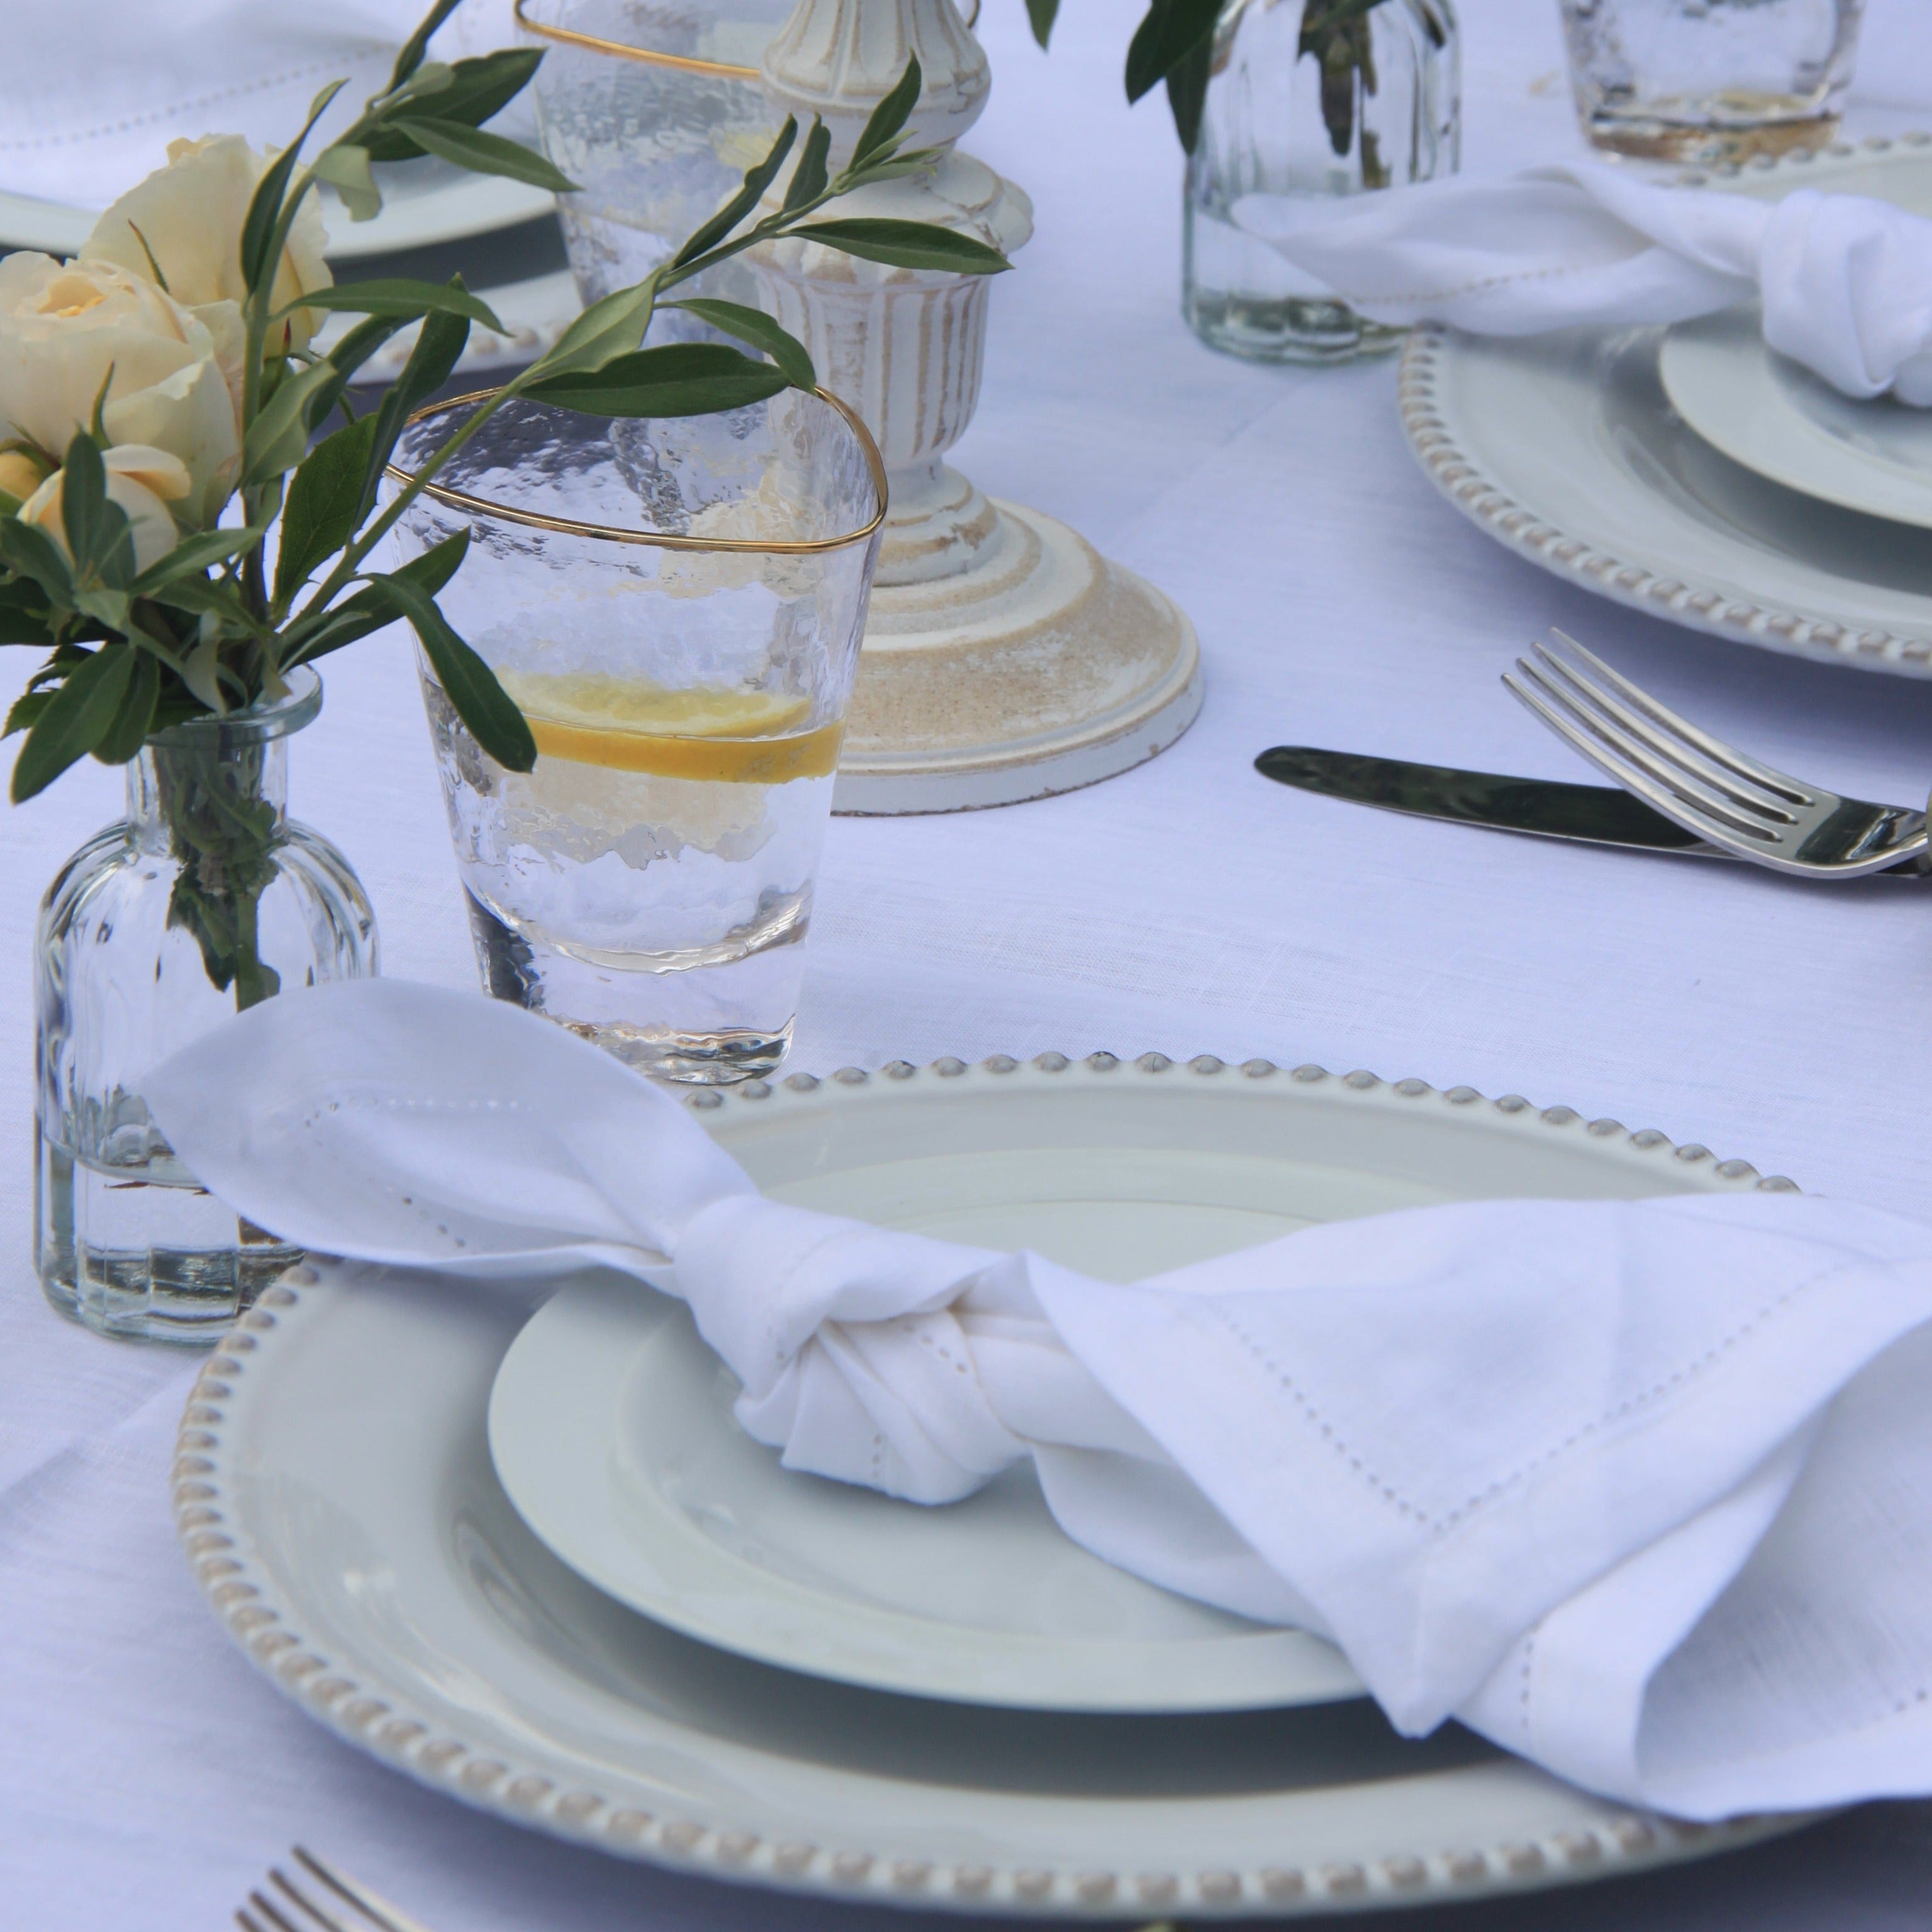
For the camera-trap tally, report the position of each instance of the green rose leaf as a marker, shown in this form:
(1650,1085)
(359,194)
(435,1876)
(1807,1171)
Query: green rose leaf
(131,724)
(324,505)
(28,551)
(196,553)
(75,720)
(25,618)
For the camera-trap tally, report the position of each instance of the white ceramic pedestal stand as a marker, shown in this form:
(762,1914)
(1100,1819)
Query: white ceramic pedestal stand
(1004,657)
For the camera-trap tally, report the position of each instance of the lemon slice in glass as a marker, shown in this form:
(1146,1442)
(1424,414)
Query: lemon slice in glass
(740,737)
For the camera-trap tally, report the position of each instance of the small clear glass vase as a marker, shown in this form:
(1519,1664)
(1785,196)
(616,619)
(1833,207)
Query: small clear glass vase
(1311,99)
(206,899)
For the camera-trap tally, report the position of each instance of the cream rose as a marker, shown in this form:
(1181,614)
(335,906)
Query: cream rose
(63,326)
(189,215)
(144,482)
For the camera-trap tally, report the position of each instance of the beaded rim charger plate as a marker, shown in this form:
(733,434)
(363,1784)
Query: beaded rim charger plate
(1565,448)
(336,1495)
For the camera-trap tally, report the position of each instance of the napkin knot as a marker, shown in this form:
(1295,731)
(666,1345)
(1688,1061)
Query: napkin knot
(852,1361)
(1846,280)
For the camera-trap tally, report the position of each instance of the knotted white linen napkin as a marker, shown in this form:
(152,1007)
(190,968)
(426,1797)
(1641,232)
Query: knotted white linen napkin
(1641,1490)
(1846,280)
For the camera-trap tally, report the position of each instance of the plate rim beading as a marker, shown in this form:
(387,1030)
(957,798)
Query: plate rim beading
(1462,478)
(372,1716)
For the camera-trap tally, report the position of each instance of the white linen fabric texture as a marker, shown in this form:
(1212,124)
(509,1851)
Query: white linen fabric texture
(1642,1491)
(1846,281)
(91,91)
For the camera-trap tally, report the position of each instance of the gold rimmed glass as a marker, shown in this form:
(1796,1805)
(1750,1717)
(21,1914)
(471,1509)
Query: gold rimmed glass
(676,606)
(655,108)
(1711,80)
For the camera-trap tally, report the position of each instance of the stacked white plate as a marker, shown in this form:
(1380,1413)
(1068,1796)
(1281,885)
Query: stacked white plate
(1692,473)
(535,1564)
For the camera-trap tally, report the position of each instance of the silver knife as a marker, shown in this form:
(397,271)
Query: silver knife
(1543,807)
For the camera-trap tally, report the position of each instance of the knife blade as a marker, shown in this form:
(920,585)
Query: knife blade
(1542,808)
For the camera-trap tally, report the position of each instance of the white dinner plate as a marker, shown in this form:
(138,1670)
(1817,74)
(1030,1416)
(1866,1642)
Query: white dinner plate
(424,202)
(335,1494)
(1774,416)
(612,1431)
(1565,448)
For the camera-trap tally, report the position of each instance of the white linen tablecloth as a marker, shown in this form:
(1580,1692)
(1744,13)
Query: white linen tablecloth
(148,1773)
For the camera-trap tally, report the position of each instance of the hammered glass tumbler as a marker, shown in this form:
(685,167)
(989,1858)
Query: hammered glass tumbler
(656,108)
(1711,80)
(677,607)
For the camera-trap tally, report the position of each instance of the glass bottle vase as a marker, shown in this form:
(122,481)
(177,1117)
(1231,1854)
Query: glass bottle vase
(1310,99)
(206,899)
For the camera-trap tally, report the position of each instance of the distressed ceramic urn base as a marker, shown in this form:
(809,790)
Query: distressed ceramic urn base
(1004,657)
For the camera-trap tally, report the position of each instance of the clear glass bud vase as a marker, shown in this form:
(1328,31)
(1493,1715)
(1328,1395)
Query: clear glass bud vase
(206,899)
(1310,99)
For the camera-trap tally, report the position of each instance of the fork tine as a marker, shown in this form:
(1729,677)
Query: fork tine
(1607,761)
(378,1911)
(246,1924)
(269,1911)
(1674,794)
(1635,727)
(303,1902)
(1793,789)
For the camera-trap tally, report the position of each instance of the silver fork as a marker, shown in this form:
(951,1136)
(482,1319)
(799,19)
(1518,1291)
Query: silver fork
(1706,786)
(319,1898)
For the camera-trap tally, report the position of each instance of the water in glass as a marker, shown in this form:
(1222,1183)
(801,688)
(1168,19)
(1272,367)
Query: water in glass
(1711,80)
(676,608)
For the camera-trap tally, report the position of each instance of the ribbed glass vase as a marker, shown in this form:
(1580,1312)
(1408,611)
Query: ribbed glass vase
(1312,100)
(205,899)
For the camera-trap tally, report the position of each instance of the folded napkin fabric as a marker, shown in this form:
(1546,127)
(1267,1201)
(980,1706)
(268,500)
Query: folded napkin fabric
(1641,1490)
(1846,281)
(91,91)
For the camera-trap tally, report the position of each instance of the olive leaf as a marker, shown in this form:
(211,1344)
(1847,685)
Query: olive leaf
(678,379)
(760,330)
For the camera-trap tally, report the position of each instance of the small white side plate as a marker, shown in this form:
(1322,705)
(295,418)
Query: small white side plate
(1774,416)
(610,1422)
(610,1425)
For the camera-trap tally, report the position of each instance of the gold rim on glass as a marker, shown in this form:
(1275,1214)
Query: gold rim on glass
(569,37)
(461,499)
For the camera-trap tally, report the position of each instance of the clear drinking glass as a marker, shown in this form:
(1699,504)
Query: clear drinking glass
(206,898)
(1312,99)
(655,106)
(1711,80)
(676,606)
